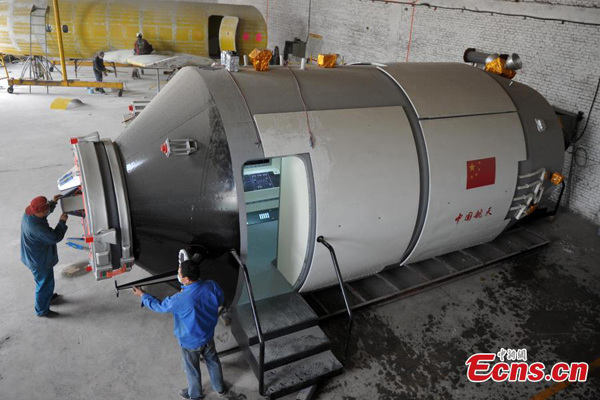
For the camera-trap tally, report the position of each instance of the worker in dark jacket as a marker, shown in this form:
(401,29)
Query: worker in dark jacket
(100,69)
(141,46)
(195,313)
(38,250)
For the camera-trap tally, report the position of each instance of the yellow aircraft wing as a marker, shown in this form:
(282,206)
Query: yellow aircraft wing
(161,60)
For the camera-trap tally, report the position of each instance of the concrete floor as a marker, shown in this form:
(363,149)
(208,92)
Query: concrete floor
(547,302)
(106,347)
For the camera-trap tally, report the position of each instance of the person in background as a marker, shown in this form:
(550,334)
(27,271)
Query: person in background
(195,313)
(39,252)
(141,46)
(100,69)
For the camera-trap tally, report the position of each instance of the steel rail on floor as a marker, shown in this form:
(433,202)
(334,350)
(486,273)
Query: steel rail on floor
(402,281)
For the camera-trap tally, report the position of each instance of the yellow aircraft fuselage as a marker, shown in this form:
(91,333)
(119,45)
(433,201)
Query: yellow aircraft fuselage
(113,24)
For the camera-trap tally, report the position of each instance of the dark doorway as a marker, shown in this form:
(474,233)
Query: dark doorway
(214,24)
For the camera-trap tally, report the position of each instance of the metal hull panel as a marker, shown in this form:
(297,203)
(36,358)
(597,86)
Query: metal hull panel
(366,182)
(458,217)
(438,90)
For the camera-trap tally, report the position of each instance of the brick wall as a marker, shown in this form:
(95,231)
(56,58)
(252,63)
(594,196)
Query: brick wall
(560,59)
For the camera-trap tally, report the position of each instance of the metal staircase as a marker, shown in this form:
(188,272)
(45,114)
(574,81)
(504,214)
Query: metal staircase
(280,338)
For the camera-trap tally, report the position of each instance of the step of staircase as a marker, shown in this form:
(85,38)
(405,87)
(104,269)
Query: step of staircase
(289,348)
(279,315)
(300,374)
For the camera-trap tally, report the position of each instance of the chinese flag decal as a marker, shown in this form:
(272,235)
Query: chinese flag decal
(481,172)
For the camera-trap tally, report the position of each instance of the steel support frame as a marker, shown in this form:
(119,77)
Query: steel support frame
(427,284)
(65,82)
(4,66)
(68,83)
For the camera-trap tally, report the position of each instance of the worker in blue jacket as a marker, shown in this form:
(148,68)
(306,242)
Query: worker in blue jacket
(195,313)
(38,250)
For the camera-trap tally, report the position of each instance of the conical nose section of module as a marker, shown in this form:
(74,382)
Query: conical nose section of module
(179,177)
(163,185)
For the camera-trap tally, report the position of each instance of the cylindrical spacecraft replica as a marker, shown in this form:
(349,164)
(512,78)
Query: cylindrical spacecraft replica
(28,27)
(391,164)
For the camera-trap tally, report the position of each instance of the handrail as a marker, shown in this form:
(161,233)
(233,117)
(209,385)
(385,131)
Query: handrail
(261,357)
(152,280)
(336,267)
